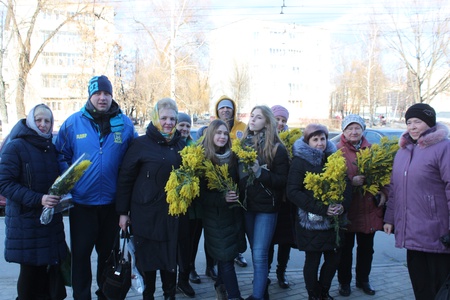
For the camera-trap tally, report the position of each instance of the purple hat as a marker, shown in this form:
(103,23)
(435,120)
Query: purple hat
(280,111)
(314,129)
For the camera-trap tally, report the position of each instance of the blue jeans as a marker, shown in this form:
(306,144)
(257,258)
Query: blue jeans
(227,276)
(259,228)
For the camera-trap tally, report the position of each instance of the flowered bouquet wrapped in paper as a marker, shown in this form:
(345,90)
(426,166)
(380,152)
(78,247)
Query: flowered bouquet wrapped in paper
(63,185)
(288,137)
(184,183)
(218,178)
(375,163)
(329,186)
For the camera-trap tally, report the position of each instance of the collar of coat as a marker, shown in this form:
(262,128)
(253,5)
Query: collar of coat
(312,155)
(430,137)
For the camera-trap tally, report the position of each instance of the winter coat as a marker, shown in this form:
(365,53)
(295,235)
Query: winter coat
(314,228)
(419,192)
(267,191)
(28,168)
(80,134)
(143,176)
(363,215)
(223,222)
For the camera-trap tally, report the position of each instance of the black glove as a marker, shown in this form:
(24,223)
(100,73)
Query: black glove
(445,239)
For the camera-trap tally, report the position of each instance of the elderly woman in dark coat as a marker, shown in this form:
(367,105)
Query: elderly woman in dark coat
(141,199)
(315,232)
(28,168)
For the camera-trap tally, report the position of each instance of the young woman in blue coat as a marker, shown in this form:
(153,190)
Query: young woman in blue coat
(28,168)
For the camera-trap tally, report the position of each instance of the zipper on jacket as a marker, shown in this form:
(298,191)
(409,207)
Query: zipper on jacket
(28,175)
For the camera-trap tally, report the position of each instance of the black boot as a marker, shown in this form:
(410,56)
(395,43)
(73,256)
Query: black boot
(325,294)
(211,272)
(193,276)
(283,282)
(184,286)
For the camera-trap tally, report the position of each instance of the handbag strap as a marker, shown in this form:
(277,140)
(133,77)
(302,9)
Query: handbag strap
(121,260)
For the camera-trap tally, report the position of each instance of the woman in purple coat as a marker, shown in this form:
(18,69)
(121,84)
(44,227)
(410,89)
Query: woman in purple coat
(419,200)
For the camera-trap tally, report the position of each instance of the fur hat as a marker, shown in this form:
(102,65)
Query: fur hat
(423,112)
(280,111)
(182,117)
(353,118)
(314,129)
(99,83)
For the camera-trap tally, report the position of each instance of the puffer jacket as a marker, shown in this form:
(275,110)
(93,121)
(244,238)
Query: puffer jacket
(314,228)
(28,168)
(223,222)
(363,215)
(419,197)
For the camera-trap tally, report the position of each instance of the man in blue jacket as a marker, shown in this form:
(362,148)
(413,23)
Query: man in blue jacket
(103,132)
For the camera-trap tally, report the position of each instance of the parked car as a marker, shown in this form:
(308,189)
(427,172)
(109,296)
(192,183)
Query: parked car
(374,135)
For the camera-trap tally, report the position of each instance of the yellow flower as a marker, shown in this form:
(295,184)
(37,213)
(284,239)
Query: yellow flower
(375,163)
(183,185)
(247,155)
(329,186)
(66,182)
(219,179)
(288,137)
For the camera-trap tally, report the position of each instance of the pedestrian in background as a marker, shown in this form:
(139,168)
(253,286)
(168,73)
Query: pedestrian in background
(141,200)
(264,194)
(28,168)
(315,232)
(365,217)
(103,132)
(223,218)
(284,232)
(187,258)
(419,200)
(227,112)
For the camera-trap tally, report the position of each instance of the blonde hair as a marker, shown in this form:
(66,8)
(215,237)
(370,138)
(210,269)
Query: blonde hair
(272,137)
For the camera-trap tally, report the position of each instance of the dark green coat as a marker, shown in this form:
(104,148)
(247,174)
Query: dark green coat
(223,225)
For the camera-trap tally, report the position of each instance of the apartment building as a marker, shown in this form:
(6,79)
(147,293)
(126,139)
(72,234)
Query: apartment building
(81,48)
(259,62)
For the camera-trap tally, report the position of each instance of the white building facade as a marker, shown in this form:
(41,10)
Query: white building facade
(284,64)
(79,50)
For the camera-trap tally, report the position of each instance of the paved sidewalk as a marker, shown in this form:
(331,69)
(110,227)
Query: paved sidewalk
(390,282)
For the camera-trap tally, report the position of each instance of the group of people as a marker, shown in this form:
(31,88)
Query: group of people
(124,188)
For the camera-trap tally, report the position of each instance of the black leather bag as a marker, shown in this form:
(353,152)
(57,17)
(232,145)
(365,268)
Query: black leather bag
(117,273)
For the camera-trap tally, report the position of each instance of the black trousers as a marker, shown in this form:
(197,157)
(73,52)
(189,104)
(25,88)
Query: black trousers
(32,282)
(195,233)
(91,226)
(427,272)
(364,257)
(168,280)
(316,286)
(284,251)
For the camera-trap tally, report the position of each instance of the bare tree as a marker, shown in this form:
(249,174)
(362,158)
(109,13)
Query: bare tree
(3,44)
(23,31)
(419,34)
(240,84)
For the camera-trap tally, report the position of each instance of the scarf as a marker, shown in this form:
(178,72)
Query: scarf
(155,121)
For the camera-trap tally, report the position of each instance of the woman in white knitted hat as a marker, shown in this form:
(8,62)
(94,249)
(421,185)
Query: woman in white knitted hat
(365,217)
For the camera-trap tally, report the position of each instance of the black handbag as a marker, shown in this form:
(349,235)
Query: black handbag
(117,273)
